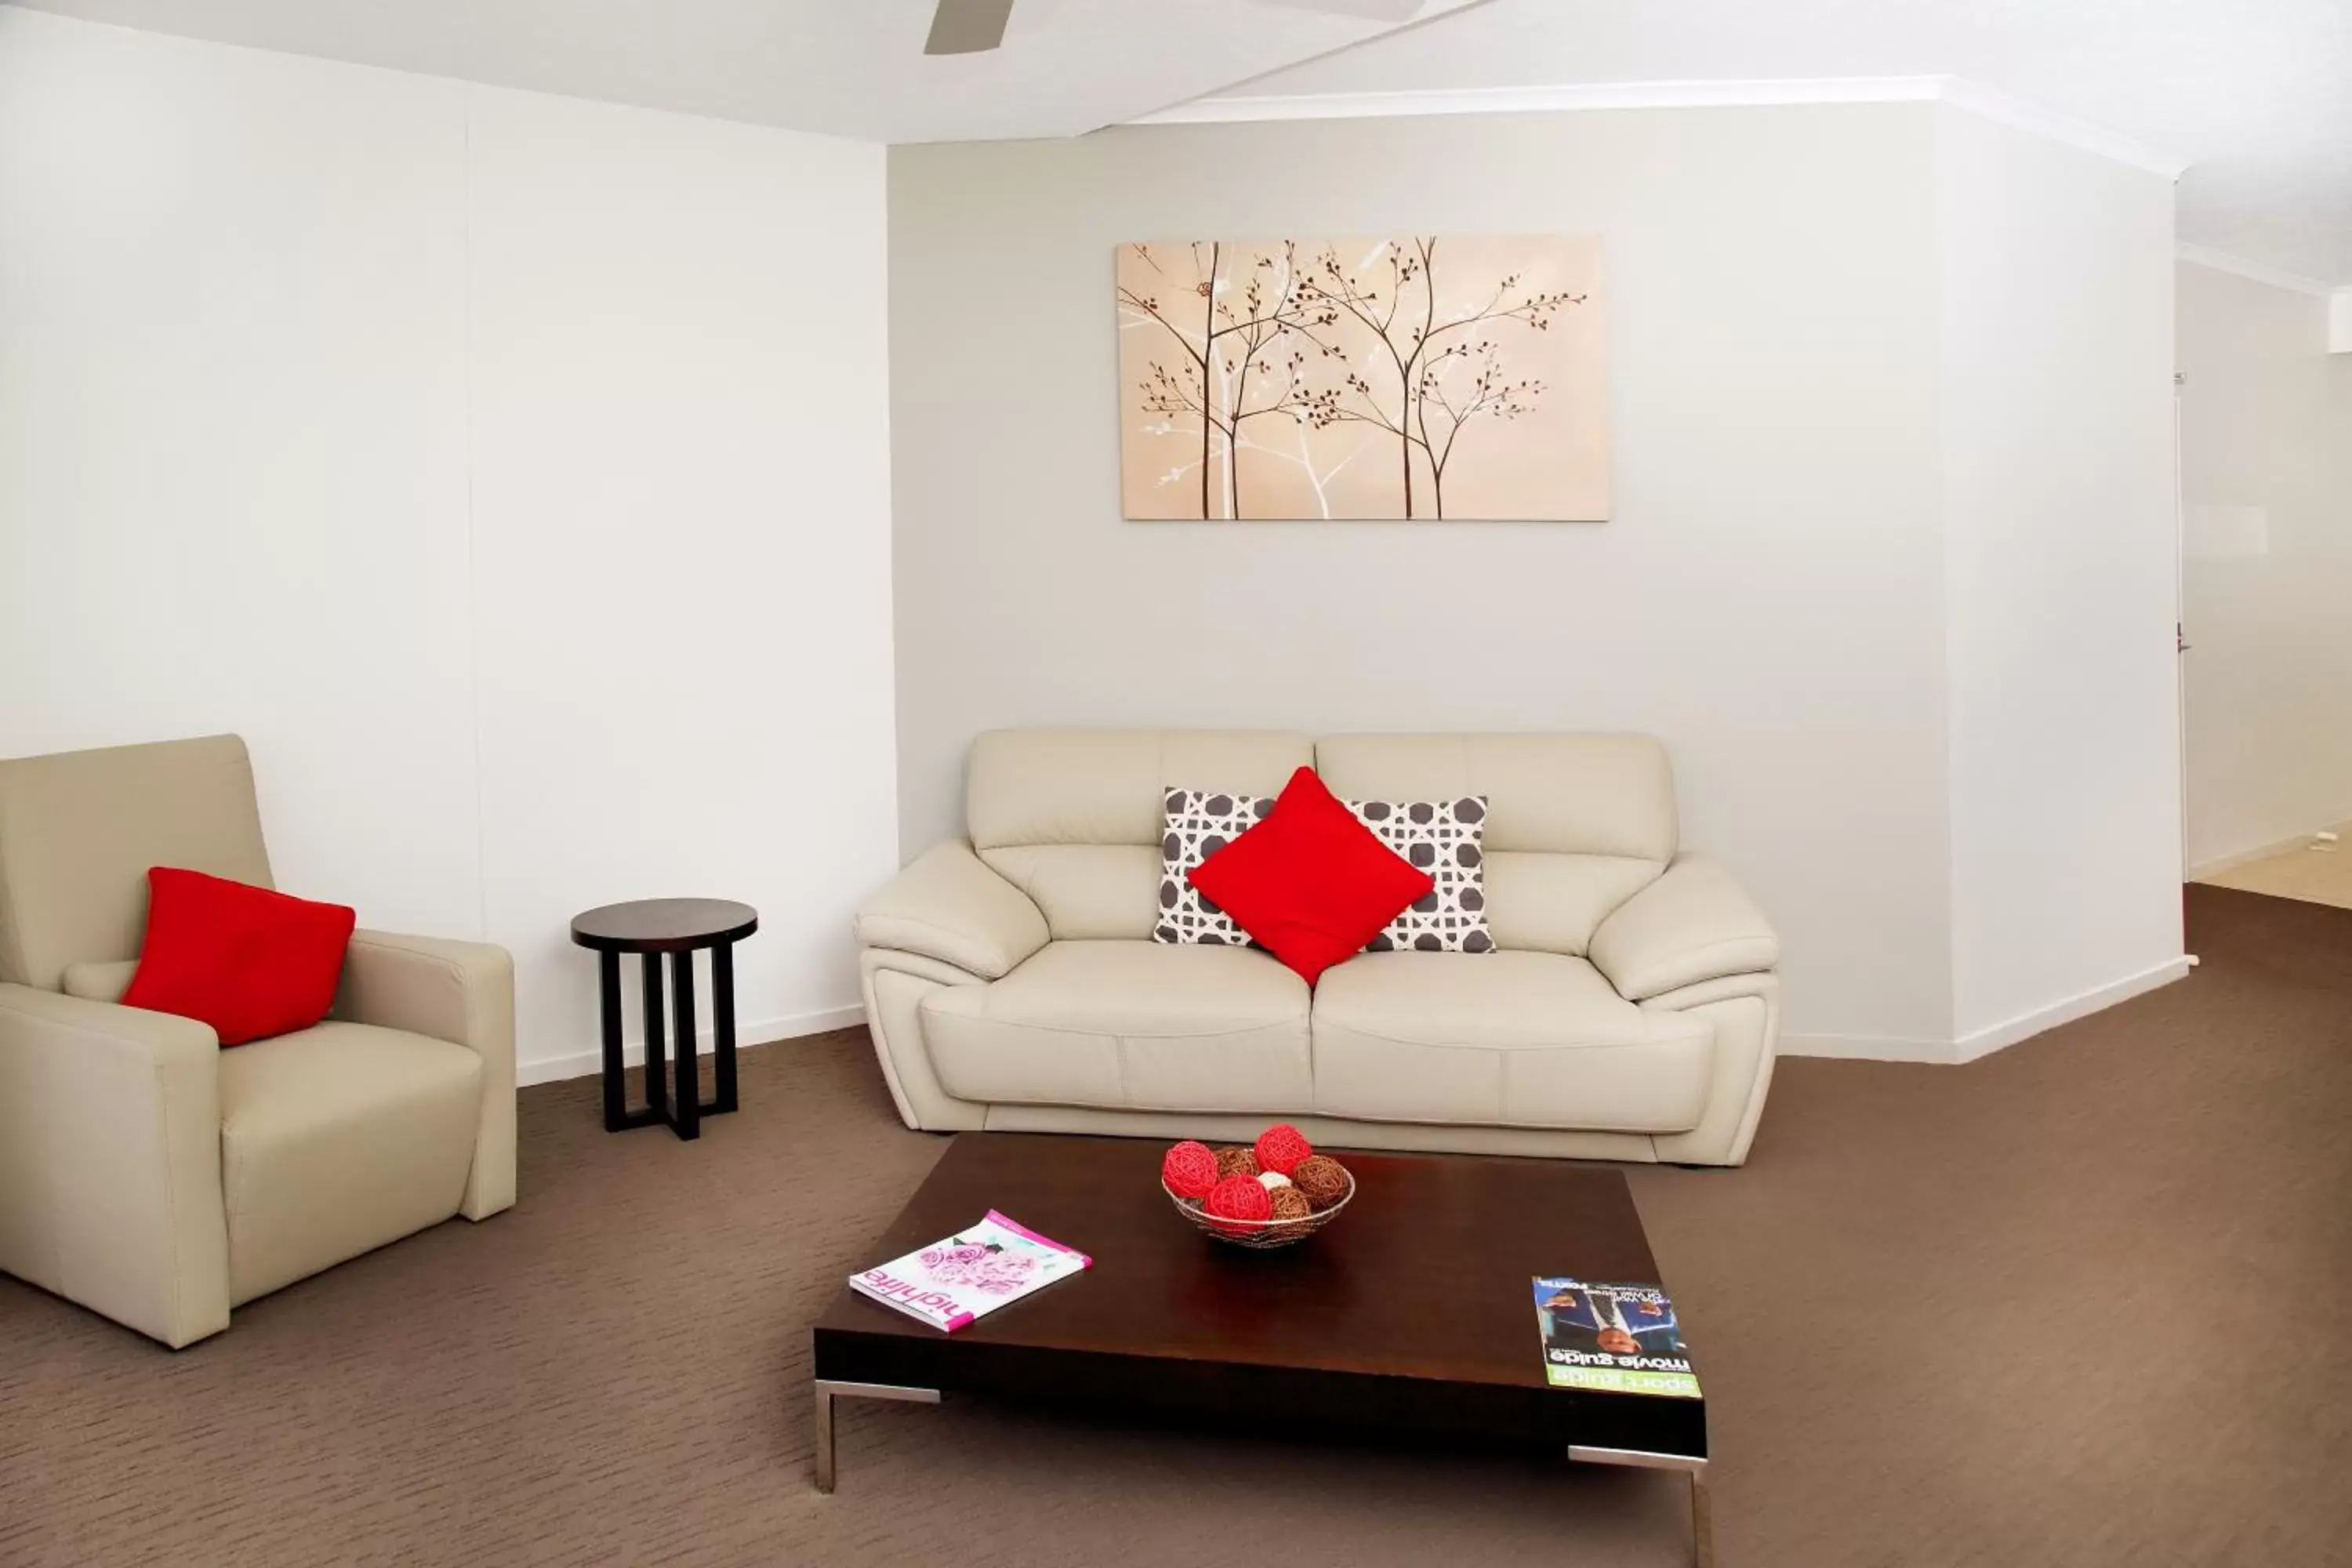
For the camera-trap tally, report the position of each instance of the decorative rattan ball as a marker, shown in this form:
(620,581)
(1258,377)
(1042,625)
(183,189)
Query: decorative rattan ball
(1280,1147)
(1190,1170)
(1270,1179)
(1289,1203)
(1235,1161)
(1321,1178)
(1238,1198)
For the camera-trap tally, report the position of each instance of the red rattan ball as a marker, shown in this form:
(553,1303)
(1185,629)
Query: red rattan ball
(1190,1170)
(1238,1198)
(1281,1146)
(1235,1161)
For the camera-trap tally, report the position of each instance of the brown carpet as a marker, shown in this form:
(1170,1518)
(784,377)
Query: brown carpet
(2080,1303)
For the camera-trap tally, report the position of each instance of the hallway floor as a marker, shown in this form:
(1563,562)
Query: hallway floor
(2315,873)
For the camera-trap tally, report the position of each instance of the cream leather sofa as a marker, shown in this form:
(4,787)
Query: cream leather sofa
(1629,1012)
(151,1175)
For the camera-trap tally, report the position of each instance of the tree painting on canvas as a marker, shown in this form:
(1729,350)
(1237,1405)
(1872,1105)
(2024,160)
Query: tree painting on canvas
(1414,377)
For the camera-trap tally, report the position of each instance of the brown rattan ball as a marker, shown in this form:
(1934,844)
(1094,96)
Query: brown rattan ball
(1235,1160)
(1289,1203)
(1321,1178)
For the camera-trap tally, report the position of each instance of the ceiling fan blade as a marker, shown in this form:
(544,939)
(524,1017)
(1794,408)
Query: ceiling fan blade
(967,26)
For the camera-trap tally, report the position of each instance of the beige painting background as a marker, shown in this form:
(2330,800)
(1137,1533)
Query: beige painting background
(1453,377)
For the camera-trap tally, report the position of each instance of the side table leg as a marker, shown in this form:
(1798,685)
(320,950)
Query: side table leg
(824,1439)
(722,1022)
(1702,1522)
(688,1111)
(657,1069)
(608,1014)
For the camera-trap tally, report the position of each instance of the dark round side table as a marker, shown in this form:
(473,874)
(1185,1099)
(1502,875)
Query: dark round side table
(680,928)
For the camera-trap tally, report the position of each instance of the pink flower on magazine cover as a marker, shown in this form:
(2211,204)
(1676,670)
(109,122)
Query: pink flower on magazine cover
(979,1267)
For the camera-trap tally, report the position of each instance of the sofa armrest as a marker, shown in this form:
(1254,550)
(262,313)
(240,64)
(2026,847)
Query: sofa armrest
(462,992)
(109,1161)
(1692,925)
(950,906)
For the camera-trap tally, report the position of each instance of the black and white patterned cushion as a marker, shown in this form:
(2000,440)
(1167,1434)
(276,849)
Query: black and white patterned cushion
(1196,824)
(1444,838)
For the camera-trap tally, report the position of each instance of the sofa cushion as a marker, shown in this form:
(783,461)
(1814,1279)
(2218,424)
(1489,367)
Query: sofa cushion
(1072,817)
(1196,824)
(1538,903)
(1575,824)
(1087,892)
(1128,1025)
(1444,838)
(1506,1039)
(250,961)
(336,1140)
(79,829)
(102,981)
(1311,882)
(1562,795)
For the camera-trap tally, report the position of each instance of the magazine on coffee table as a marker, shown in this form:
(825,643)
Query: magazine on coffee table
(1616,1338)
(970,1274)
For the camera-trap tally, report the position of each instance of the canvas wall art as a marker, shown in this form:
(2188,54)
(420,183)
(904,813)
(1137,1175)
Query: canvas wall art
(1413,378)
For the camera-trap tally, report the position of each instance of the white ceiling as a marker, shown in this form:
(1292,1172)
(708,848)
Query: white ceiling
(848,68)
(2257,94)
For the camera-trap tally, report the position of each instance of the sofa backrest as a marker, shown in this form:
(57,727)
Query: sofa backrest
(1575,824)
(1073,816)
(79,829)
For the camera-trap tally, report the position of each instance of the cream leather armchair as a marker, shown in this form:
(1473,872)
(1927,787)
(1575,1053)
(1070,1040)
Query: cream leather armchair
(156,1178)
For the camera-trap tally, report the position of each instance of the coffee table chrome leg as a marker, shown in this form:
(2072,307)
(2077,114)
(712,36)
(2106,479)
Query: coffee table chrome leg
(827,1391)
(824,1438)
(1701,1513)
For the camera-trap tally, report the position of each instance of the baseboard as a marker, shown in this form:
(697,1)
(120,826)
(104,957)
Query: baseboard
(2025,1026)
(759,1032)
(1984,1042)
(2220,863)
(1866,1048)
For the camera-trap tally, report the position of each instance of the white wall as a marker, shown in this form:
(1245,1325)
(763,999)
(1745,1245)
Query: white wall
(681,509)
(2266,479)
(1767,596)
(233,438)
(2056,296)
(476,455)
(1772,593)
(479,455)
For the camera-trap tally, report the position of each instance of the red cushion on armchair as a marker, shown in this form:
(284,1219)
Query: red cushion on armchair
(1310,882)
(249,962)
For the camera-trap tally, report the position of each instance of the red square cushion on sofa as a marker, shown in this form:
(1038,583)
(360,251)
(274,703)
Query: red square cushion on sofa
(1310,882)
(249,962)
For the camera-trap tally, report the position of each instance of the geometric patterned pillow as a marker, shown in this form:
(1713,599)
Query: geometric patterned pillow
(1444,838)
(1196,824)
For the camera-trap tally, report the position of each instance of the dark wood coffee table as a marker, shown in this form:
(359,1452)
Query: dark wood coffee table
(1412,1314)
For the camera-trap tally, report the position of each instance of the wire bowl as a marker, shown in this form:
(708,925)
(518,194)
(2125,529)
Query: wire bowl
(1259,1234)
